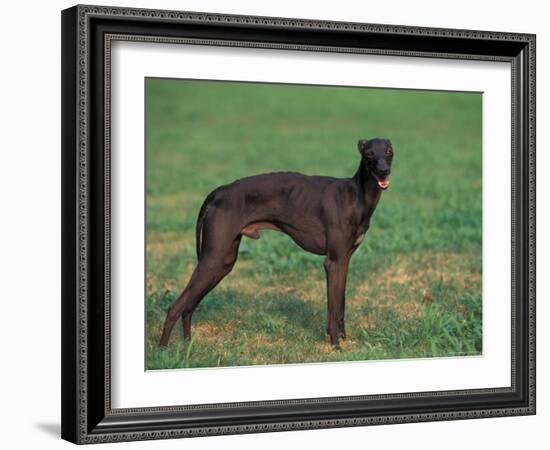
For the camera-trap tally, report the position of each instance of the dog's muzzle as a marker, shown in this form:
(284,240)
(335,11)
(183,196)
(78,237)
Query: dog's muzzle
(383,181)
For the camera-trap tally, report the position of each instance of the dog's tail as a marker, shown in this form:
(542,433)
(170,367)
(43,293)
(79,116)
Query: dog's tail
(200,221)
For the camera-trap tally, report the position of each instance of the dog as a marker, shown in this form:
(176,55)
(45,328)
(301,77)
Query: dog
(323,215)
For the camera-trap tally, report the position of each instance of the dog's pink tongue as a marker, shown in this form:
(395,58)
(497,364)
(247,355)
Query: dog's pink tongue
(384,182)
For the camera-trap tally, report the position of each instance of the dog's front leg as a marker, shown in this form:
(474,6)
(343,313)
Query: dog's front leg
(336,269)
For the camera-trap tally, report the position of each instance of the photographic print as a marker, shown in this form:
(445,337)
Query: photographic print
(297,224)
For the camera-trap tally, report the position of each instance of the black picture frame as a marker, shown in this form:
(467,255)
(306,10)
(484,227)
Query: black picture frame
(87,416)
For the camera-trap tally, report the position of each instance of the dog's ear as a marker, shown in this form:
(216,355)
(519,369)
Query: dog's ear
(362,145)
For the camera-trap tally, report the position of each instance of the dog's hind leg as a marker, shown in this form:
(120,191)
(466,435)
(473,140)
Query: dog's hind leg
(186,324)
(215,263)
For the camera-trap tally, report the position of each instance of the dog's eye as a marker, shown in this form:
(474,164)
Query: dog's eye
(370,154)
(389,152)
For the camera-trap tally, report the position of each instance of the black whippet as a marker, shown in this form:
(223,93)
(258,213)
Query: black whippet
(323,215)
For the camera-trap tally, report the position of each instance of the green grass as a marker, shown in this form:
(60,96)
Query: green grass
(414,285)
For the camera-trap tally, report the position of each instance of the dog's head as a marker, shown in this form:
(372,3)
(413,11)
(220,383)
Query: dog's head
(377,157)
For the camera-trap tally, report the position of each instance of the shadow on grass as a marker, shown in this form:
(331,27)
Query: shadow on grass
(272,313)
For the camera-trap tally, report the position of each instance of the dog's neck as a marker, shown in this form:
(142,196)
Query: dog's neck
(367,184)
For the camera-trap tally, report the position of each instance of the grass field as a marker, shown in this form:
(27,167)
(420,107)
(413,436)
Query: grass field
(414,285)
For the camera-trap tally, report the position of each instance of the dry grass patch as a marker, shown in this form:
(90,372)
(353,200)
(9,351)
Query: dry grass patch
(183,201)
(408,285)
(162,244)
